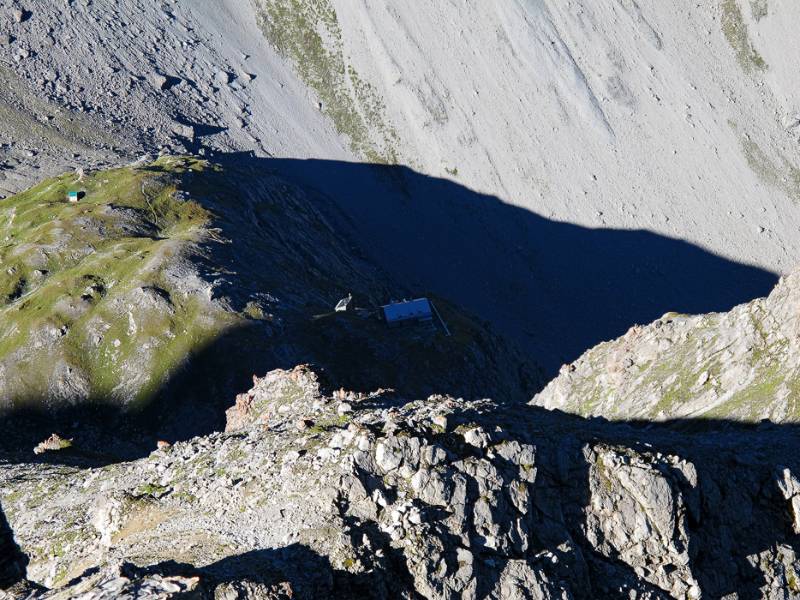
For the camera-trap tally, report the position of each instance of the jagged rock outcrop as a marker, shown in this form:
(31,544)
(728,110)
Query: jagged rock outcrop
(351,495)
(639,514)
(742,365)
(274,394)
(125,582)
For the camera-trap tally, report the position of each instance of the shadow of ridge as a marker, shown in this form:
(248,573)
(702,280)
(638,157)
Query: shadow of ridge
(190,402)
(193,399)
(293,571)
(13,562)
(572,284)
(556,288)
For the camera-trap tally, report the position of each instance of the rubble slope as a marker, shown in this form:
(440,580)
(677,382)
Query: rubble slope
(680,120)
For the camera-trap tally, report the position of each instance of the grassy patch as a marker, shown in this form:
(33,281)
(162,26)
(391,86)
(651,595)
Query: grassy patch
(307,33)
(152,489)
(759,9)
(602,472)
(735,30)
(785,176)
(326,425)
(84,287)
(792,581)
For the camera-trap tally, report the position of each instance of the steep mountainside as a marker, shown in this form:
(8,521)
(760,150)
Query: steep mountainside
(84,83)
(654,123)
(677,118)
(741,365)
(189,187)
(622,114)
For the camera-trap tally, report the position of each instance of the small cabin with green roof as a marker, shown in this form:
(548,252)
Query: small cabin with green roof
(72,196)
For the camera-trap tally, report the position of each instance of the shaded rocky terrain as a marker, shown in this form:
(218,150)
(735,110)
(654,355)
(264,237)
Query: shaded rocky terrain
(348,495)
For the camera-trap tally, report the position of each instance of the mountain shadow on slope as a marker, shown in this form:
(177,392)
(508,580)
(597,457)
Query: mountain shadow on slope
(556,288)
(12,560)
(292,571)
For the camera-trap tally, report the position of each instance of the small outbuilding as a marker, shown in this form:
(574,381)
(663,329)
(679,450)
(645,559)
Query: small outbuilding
(72,196)
(407,311)
(345,304)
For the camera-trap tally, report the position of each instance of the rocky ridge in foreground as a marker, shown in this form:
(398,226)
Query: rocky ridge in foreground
(349,495)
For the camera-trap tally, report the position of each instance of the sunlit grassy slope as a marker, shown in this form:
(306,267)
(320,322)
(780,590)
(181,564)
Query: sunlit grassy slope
(93,306)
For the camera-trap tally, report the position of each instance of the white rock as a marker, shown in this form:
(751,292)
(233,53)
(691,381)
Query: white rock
(476,437)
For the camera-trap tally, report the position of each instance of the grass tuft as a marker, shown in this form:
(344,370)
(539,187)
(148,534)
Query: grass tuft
(735,30)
